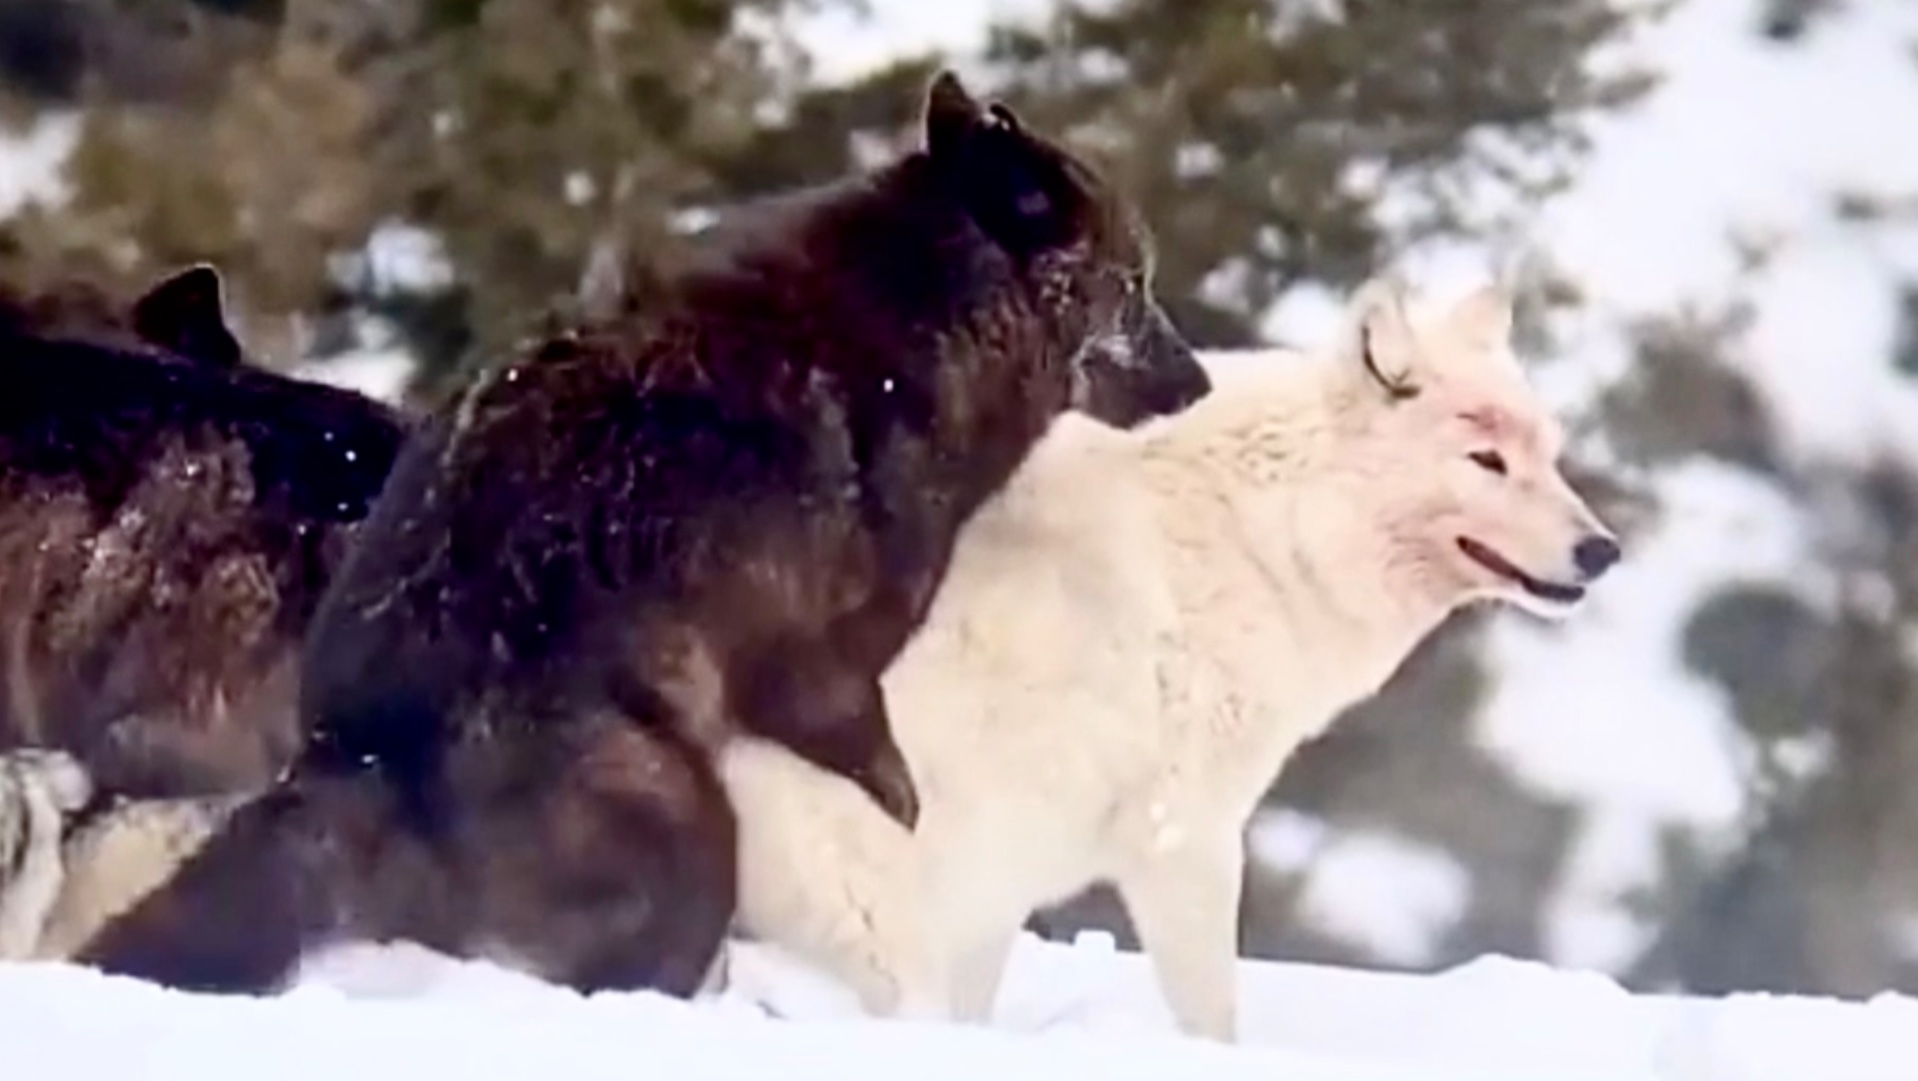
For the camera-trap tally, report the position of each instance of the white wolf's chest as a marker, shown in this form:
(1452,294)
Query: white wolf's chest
(1071,708)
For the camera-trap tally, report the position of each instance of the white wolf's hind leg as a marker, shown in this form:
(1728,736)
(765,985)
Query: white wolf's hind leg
(977,974)
(828,876)
(38,790)
(865,931)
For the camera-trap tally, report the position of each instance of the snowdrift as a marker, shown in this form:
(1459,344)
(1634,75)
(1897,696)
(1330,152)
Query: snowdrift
(1084,1011)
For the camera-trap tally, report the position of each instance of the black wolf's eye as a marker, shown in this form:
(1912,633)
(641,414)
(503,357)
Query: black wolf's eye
(1489,460)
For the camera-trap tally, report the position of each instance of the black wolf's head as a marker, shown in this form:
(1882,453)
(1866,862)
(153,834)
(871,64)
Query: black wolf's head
(1080,242)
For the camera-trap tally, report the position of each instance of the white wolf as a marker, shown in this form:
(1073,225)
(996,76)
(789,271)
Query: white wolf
(1140,630)
(1131,640)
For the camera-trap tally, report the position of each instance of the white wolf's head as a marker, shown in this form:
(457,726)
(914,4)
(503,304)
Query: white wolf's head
(1456,452)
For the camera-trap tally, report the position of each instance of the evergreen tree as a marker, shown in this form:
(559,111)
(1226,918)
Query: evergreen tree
(512,133)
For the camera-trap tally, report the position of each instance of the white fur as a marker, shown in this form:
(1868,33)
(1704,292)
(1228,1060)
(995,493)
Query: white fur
(118,859)
(59,885)
(1132,639)
(38,789)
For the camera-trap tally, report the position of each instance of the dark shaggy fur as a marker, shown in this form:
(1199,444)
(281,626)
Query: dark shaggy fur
(168,519)
(183,315)
(723,513)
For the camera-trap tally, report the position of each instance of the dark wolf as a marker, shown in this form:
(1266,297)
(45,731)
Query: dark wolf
(183,315)
(169,517)
(720,513)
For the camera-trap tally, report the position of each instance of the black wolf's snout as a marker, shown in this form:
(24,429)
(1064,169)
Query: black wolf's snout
(1180,378)
(1147,370)
(1595,554)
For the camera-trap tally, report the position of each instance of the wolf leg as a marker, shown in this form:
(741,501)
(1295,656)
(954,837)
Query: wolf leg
(120,857)
(826,875)
(865,939)
(977,975)
(1184,904)
(619,873)
(239,913)
(38,790)
(830,712)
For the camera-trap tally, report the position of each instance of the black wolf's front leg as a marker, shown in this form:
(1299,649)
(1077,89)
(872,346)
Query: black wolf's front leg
(830,712)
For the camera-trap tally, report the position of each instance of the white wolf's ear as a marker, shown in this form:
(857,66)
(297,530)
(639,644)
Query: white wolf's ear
(1482,318)
(1379,336)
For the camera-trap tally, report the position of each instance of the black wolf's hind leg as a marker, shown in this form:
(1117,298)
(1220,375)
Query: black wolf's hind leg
(832,714)
(622,873)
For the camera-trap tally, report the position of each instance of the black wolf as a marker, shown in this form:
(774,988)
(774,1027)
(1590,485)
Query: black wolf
(168,519)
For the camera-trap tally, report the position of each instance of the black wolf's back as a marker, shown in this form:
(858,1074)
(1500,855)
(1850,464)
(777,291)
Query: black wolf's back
(167,526)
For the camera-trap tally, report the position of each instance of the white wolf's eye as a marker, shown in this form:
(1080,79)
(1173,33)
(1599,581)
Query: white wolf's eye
(1489,460)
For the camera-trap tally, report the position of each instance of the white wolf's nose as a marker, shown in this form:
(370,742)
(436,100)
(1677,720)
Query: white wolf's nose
(1595,555)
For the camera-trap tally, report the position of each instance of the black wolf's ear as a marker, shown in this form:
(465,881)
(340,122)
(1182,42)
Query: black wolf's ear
(951,115)
(185,313)
(1020,190)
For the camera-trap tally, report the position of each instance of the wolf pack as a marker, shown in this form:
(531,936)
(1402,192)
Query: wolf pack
(890,570)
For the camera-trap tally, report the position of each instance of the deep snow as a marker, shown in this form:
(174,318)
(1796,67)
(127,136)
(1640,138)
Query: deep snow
(1081,1011)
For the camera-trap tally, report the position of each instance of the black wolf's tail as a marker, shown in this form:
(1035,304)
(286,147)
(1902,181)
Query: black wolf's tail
(282,875)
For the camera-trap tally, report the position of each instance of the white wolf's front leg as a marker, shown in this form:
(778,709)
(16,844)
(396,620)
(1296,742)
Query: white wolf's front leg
(1183,896)
(976,973)
(38,789)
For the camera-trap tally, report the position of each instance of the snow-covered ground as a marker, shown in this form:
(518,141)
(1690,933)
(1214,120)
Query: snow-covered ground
(1083,1011)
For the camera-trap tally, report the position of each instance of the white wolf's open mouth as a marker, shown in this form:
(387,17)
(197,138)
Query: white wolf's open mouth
(1505,568)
